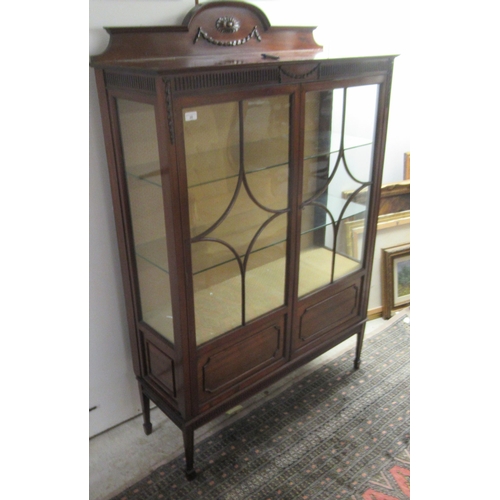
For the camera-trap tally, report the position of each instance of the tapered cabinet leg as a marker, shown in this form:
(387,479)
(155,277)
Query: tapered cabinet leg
(146,414)
(359,347)
(188,434)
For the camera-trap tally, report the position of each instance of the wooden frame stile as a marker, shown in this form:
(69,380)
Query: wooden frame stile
(190,350)
(380,141)
(167,152)
(299,180)
(124,229)
(175,214)
(127,245)
(295,188)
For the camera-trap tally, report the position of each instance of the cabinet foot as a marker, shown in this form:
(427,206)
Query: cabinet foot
(148,428)
(188,435)
(359,347)
(190,474)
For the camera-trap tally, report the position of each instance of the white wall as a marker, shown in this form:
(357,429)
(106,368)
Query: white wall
(112,384)
(361,27)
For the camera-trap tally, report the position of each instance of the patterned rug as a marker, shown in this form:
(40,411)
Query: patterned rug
(337,434)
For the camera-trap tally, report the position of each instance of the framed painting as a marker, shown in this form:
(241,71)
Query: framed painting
(395,279)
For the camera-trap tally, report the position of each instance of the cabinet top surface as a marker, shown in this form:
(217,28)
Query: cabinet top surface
(212,35)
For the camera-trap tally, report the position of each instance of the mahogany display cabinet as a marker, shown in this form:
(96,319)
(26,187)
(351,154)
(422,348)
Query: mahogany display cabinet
(230,145)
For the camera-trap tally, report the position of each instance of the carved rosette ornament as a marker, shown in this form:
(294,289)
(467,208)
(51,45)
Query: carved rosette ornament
(227,25)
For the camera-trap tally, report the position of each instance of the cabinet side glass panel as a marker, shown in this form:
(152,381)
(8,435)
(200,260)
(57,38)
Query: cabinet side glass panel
(338,149)
(142,169)
(237,161)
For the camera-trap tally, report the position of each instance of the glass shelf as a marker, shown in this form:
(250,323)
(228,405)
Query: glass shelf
(148,172)
(335,206)
(214,164)
(155,252)
(312,149)
(213,170)
(238,222)
(276,154)
(253,253)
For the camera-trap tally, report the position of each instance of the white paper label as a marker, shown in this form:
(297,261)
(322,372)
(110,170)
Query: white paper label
(191,116)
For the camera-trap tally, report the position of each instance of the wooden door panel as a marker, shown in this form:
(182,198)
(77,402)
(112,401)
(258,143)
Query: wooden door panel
(325,315)
(159,365)
(227,369)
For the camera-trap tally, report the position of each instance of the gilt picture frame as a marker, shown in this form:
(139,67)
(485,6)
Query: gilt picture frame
(355,231)
(406,172)
(395,279)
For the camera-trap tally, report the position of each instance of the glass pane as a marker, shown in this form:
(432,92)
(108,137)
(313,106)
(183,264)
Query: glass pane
(238,199)
(338,150)
(266,149)
(266,268)
(242,223)
(270,187)
(266,126)
(209,204)
(142,167)
(212,142)
(217,287)
(316,255)
(156,303)
(360,129)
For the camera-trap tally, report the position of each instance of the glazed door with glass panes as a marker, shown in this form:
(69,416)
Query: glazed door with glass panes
(337,160)
(236,153)
(236,156)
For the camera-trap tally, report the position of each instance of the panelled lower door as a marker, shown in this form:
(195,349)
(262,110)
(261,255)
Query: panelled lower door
(337,163)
